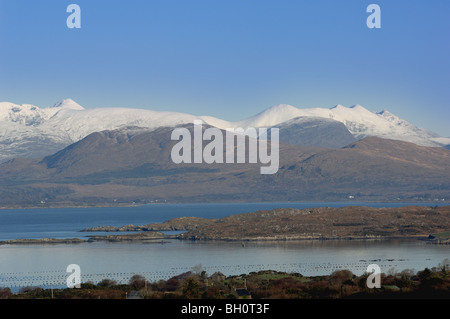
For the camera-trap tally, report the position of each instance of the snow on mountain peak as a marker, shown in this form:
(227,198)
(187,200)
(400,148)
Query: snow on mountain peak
(388,115)
(281,107)
(360,109)
(384,112)
(274,115)
(359,121)
(68,104)
(279,111)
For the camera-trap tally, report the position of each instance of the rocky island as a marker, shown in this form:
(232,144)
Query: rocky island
(180,223)
(149,236)
(352,222)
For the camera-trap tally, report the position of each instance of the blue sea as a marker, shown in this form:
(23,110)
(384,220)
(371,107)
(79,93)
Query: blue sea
(45,265)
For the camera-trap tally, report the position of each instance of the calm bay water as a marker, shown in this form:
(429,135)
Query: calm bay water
(67,222)
(45,265)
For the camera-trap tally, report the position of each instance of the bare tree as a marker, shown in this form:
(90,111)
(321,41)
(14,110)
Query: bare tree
(137,282)
(444,265)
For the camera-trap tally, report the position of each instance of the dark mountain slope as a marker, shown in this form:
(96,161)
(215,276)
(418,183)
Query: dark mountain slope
(311,131)
(134,165)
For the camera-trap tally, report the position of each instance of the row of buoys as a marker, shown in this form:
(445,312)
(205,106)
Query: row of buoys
(362,263)
(52,277)
(174,270)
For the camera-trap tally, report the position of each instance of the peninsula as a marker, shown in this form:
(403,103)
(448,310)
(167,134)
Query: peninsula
(352,222)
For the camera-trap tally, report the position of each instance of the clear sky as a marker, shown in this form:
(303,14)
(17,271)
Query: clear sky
(230,58)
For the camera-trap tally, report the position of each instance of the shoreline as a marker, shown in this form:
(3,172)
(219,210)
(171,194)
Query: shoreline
(161,239)
(130,205)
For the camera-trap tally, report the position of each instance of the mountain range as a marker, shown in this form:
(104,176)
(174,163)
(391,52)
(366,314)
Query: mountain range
(67,155)
(29,131)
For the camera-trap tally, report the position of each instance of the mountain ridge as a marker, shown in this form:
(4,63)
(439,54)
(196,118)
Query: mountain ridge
(32,132)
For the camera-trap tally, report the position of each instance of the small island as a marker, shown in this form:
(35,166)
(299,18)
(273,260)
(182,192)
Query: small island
(177,224)
(150,236)
(327,223)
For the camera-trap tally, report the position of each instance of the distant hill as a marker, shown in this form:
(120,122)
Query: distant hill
(134,165)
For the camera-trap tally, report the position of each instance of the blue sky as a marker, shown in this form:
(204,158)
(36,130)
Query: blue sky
(230,58)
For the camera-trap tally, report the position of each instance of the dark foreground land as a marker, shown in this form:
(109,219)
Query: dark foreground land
(342,284)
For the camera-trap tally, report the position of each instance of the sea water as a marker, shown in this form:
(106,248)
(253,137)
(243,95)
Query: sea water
(45,265)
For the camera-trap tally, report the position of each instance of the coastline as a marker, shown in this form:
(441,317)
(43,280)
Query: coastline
(148,237)
(431,224)
(56,241)
(130,205)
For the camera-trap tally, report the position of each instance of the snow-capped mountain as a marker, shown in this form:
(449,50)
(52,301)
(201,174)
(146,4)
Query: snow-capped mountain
(78,123)
(358,120)
(32,132)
